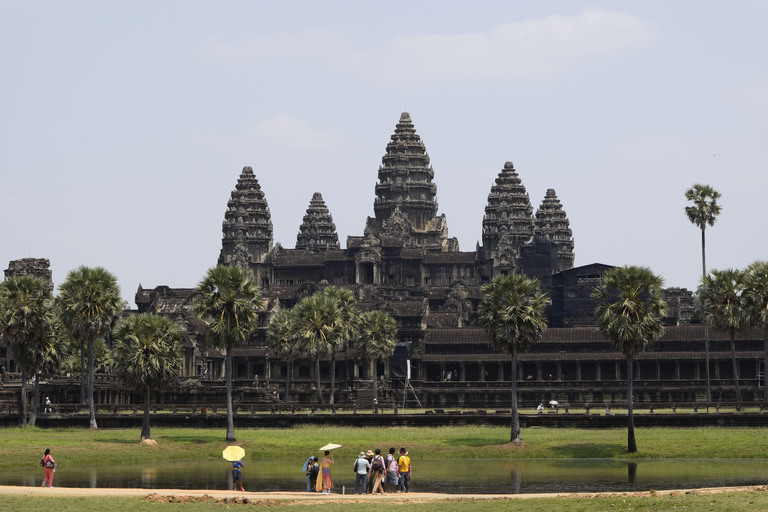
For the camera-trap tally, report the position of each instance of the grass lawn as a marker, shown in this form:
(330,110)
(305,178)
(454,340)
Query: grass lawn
(73,447)
(730,501)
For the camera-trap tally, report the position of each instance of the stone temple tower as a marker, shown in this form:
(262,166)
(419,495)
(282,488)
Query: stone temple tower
(508,219)
(247,224)
(317,232)
(552,224)
(405,205)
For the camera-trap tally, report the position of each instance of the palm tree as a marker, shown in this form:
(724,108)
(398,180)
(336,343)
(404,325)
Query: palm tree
(512,313)
(25,315)
(89,305)
(376,337)
(723,308)
(703,212)
(756,304)
(228,298)
(45,357)
(346,319)
(283,344)
(315,322)
(630,310)
(148,355)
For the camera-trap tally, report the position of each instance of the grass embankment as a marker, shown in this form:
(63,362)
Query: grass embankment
(731,501)
(75,447)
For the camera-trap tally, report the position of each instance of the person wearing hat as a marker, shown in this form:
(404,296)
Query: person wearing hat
(361,473)
(369,458)
(48,408)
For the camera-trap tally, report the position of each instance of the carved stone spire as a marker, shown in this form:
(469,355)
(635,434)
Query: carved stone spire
(552,223)
(317,232)
(405,203)
(247,224)
(508,219)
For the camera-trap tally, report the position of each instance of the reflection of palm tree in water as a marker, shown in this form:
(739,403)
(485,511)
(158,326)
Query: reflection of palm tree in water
(516,475)
(632,474)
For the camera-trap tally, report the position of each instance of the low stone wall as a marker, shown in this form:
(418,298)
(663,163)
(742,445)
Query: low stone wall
(288,420)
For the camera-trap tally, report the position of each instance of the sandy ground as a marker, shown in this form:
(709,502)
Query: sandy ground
(293,496)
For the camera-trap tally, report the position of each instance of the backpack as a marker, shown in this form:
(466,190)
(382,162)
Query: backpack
(377,465)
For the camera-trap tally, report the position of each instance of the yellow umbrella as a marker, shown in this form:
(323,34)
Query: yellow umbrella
(233,453)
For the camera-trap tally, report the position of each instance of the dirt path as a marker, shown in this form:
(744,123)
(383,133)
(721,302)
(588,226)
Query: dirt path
(164,494)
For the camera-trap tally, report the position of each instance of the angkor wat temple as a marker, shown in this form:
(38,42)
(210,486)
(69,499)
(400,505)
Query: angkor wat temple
(405,263)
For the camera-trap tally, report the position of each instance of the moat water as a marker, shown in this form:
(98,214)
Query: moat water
(482,476)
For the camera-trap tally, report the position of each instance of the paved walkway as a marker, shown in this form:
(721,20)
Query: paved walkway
(107,491)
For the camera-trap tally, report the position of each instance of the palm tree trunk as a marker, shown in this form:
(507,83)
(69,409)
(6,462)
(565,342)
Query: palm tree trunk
(706,361)
(91,406)
(23,394)
(35,401)
(375,388)
(765,367)
(333,377)
(631,442)
(230,417)
(317,377)
(288,371)
(734,365)
(515,434)
(82,372)
(703,254)
(145,422)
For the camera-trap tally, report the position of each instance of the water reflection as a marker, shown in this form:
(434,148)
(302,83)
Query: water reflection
(430,475)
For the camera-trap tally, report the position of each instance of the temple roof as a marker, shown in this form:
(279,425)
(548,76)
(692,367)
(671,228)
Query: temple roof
(509,212)
(317,232)
(552,224)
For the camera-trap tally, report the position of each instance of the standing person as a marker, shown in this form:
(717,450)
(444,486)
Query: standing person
(48,408)
(390,466)
(369,458)
(312,468)
(361,473)
(325,467)
(49,467)
(377,471)
(404,468)
(237,475)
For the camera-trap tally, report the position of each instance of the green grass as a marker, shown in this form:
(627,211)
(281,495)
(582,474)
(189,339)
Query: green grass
(731,501)
(74,447)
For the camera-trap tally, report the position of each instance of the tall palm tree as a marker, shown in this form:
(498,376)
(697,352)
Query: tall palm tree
(346,319)
(756,304)
(44,357)
(25,315)
(702,213)
(229,300)
(630,310)
(512,313)
(89,305)
(376,337)
(316,321)
(723,308)
(282,343)
(148,355)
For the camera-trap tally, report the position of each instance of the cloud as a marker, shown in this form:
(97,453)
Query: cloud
(293,133)
(529,50)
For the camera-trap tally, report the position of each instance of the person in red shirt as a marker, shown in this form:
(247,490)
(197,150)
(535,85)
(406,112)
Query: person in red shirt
(49,466)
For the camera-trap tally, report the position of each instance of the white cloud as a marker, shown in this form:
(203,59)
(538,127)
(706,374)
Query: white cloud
(293,133)
(519,50)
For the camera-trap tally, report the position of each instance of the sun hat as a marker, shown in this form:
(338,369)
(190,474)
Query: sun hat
(369,454)
(362,454)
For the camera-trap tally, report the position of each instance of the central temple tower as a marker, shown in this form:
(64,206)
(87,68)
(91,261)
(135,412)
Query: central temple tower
(405,205)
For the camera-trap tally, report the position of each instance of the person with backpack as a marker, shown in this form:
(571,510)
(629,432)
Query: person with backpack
(377,472)
(361,468)
(49,467)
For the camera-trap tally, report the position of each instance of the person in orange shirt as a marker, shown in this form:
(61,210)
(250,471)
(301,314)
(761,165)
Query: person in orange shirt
(49,466)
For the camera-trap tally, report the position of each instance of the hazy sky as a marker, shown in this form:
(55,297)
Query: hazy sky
(125,125)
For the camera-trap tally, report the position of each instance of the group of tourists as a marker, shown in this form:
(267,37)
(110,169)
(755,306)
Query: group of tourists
(373,472)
